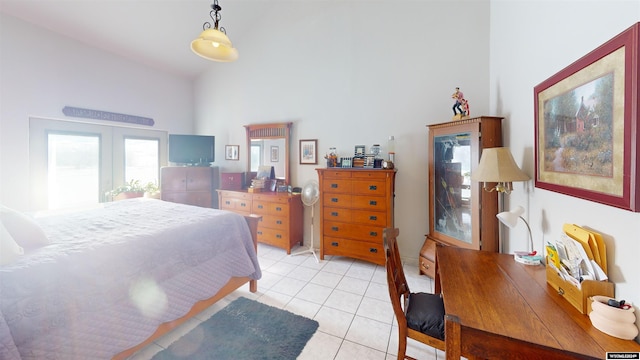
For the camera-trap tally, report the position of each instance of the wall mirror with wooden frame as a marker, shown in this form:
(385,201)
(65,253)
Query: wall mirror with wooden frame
(268,145)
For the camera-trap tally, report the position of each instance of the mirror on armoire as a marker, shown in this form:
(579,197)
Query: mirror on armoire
(268,147)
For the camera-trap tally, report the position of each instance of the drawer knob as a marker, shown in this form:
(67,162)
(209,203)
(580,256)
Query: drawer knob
(373,250)
(373,233)
(334,244)
(279,236)
(334,228)
(334,213)
(335,200)
(560,291)
(227,202)
(373,217)
(278,209)
(426,266)
(373,202)
(279,222)
(259,232)
(260,206)
(373,187)
(334,186)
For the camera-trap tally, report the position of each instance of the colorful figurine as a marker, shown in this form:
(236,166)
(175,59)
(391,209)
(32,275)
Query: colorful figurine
(459,103)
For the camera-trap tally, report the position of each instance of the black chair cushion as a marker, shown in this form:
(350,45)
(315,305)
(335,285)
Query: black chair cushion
(425,313)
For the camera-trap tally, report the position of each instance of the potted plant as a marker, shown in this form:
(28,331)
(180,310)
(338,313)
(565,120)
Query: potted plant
(129,190)
(152,190)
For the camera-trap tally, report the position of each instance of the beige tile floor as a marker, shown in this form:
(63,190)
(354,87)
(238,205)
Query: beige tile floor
(348,298)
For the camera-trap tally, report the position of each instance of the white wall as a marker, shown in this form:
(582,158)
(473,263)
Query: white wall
(530,42)
(40,73)
(351,73)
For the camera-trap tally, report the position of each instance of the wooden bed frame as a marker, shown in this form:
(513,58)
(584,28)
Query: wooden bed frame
(233,284)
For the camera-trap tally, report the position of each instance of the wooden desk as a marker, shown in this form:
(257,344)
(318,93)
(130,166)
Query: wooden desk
(500,309)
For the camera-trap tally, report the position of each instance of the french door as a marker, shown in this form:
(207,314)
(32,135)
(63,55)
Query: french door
(76,163)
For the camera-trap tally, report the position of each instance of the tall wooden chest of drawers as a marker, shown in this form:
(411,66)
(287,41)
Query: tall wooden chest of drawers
(191,185)
(356,205)
(282,215)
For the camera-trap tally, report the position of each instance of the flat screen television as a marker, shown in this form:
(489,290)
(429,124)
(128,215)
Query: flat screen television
(194,150)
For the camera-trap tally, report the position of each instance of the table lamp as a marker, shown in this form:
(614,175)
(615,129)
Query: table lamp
(497,166)
(510,219)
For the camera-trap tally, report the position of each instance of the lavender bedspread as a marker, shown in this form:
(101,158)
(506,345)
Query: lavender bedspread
(111,275)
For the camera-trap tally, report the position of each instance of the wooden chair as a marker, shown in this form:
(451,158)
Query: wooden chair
(420,316)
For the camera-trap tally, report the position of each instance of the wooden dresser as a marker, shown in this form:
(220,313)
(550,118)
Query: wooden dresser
(356,205)
(282,215)
(190,185)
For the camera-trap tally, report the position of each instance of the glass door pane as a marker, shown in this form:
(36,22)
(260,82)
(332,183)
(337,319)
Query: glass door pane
(452,189)
(73,170)
(141,160)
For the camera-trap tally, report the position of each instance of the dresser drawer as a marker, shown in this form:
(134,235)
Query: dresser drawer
(369,187)
(336,200)
(364,250)
(336,174)
(269,208)
(340,186)
(427,258)
(235,204)
(235,195)
(337,214)
(376,203)
(353,231)
(276,237)
(281,199)
(369,217)
(427,267)
(374,174)
(274,222)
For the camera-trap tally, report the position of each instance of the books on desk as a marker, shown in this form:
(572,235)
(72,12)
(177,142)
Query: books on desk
(528,259)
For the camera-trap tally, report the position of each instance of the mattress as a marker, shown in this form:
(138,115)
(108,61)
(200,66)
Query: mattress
(112,274)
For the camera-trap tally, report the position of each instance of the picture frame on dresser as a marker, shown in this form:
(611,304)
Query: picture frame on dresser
(586,139)
(232,152)
(309,151)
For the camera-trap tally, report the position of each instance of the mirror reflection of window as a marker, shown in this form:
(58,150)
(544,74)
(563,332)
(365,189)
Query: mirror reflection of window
(256,158)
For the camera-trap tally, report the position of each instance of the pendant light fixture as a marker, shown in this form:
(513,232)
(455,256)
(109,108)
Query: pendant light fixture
(213,44)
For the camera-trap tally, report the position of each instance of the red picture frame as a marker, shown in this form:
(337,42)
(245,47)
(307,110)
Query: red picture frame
(586,130)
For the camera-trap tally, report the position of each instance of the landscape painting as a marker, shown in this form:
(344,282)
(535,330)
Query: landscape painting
(586,137)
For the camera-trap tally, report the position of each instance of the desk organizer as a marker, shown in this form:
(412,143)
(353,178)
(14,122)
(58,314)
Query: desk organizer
(578,297)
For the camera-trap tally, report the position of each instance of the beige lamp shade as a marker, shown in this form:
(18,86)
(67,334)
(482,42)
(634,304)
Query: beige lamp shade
(497,166)
(213,44)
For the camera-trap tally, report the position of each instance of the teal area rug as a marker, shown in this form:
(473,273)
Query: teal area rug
(244,329)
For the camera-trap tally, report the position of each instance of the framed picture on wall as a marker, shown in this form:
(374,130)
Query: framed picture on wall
(309,151)
(232,152)
(586,137)
(275,153)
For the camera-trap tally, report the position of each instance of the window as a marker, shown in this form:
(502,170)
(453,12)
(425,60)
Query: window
(141,160)
(75,163)
(73,169)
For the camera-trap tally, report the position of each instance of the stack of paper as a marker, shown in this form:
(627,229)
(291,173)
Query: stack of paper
(579,254)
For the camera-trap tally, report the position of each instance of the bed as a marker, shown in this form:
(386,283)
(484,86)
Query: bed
(107,281)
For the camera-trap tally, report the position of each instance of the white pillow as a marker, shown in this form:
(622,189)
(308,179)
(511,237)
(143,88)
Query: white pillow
(24,230)
(9,249)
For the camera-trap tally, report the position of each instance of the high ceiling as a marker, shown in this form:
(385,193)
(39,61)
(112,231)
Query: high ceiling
(156,33)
